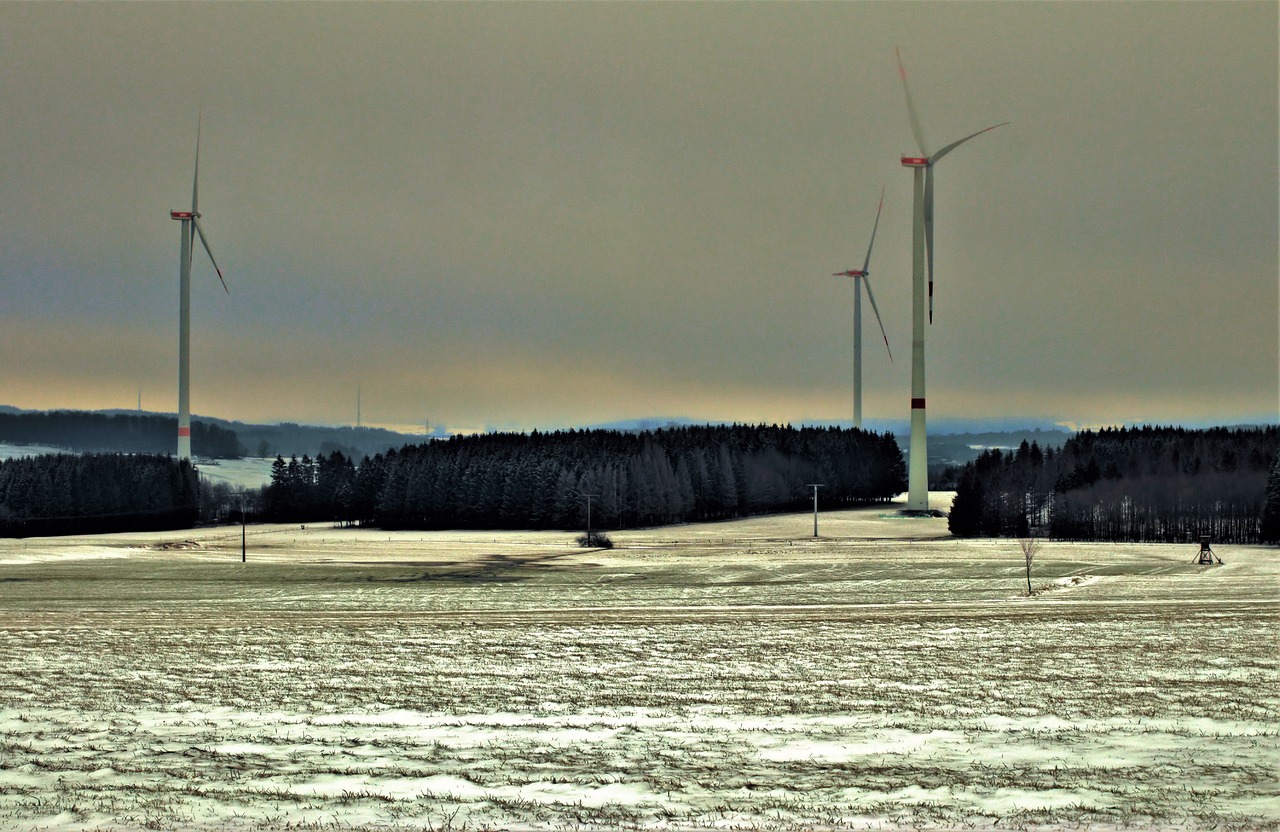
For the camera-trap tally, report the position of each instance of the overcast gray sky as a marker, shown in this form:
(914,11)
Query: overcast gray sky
(544,214)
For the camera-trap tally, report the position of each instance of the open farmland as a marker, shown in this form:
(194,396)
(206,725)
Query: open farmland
(731,676)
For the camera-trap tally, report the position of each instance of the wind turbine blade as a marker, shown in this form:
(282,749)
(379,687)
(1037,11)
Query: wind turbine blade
(872,298)
(200,230)
(866,264)
(944,151)
(911,106)
(928,202)
(195,183)
(928,231)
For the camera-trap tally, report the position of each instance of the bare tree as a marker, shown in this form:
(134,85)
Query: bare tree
(1030,545)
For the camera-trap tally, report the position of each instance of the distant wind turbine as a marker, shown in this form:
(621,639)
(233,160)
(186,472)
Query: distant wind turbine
(921,246)
(190,227)
(860,275)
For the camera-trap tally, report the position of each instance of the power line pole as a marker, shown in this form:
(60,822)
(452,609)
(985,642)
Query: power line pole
(588,498)
(815,486)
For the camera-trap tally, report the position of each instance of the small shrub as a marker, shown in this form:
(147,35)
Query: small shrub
(595,540)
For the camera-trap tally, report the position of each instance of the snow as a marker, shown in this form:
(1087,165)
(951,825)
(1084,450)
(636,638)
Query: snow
(247,473)
(8,451)
(713,676)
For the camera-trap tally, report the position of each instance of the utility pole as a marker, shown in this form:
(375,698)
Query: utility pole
(588,498)
(815,486)
(242,530)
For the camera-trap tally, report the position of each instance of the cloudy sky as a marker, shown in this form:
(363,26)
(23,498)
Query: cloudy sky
(545,214)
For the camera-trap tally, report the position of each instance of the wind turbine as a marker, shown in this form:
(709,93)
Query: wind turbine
(921,246)
(190,227)
(859,275)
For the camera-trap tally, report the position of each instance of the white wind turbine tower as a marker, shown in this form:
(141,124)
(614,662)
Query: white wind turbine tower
(860,275)
(190,227)
(921,246)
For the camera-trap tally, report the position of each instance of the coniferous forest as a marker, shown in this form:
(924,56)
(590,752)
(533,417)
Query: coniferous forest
(1145,484)
(96,493)
(1148,484)
(540,480)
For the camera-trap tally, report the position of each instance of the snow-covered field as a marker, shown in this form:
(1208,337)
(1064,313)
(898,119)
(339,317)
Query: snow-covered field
(729,676)
(8,451)
(246,473)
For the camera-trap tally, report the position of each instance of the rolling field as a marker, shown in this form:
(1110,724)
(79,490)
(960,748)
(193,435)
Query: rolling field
(724,676)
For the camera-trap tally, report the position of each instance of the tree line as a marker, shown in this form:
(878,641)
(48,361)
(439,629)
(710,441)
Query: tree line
(95,493)
(1270,528)
(542,480)
(141,433)
(1148,484)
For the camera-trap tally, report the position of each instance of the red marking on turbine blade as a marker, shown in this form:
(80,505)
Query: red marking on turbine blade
(917,404)
(184,431)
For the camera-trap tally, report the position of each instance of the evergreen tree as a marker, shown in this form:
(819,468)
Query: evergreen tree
(1270,527)
(1130,484)
(91,493)
(965,518)
(647,478)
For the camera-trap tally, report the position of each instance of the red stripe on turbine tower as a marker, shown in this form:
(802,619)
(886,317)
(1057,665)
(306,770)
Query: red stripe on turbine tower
(184,431)
(917,404)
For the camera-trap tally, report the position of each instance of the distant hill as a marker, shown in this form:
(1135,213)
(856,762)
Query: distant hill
(289,439)
(952,442)
(134,431)
(959,448)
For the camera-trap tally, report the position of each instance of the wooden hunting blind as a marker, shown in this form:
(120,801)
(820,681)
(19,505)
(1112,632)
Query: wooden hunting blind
(1206,555)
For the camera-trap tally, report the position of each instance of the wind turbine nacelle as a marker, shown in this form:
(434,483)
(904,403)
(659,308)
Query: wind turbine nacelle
(915,162)
(851,273)
(181,215)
